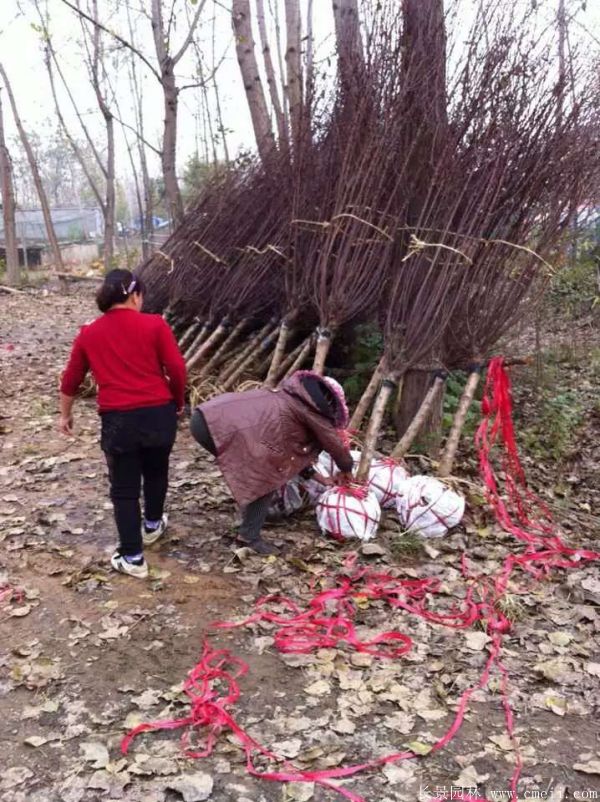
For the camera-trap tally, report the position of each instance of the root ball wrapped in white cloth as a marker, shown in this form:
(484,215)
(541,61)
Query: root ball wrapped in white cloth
(344,513)
(385,479)
(428,507)
(327,467)
(385,475)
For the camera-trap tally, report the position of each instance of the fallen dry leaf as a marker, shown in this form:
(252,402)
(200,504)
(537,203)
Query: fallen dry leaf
(592,767)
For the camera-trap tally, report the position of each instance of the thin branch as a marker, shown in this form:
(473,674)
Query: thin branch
(116,36)
(152,147)
(190,35)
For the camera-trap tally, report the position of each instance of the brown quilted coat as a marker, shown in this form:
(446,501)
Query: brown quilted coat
(265,437)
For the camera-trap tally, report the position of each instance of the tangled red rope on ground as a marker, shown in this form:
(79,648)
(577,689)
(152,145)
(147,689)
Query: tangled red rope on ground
(328,620)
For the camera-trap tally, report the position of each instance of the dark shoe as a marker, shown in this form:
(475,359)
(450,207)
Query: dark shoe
(259,545)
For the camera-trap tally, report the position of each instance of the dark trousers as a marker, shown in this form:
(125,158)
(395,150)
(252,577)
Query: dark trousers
(137,445)
(253,514)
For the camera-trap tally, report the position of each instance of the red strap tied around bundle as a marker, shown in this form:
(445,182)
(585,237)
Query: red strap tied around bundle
(344,492)
(327,621)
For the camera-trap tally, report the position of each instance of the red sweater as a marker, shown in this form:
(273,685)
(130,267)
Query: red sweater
(134,359)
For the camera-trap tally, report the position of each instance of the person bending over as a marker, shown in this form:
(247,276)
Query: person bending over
(263,438)
(141,378)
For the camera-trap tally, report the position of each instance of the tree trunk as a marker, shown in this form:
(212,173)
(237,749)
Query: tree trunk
(278,354)
(49,57)
(310,56)
(324,338)
(169,148)
(433,395)
(286,105)
(189,334)
(348,41)
(296,359)
(217,334)
(109,223)
(251,348)
(199,338)
(263,341)
(11,248)
(367,397)
(146,216)
(244,46)
(414,389)
(226,346)
(451,447)
(270,73)
(37,179)
(293,60)
(96,68)
(370,444)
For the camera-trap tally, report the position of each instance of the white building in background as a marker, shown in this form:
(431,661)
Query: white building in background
(80,232)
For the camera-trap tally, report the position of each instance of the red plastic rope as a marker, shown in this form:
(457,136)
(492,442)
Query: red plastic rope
(334,511)
(328,619)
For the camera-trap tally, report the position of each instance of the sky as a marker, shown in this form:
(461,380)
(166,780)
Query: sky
(22,57)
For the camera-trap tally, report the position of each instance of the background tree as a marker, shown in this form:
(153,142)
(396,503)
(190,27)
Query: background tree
(11,249)
(37,178)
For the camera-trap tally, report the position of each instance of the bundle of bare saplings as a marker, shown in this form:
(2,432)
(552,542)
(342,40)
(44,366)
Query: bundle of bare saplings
(429,195)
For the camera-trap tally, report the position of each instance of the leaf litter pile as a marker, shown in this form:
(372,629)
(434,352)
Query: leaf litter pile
(87,655)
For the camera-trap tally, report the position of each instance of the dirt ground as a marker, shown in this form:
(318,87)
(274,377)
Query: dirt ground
(85,654)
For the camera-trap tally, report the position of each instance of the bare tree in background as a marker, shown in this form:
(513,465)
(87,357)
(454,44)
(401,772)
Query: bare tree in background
(11,249)
(94,46)
(147,213)
(33,166)
(348,39)
(244,44)
(104,195)
(167,62)
(272,82)
(293,60)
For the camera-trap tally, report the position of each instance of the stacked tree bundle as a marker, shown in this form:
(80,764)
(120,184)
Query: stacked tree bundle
(426,200)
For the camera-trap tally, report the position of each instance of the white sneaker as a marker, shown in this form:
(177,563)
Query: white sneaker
(151,537)
(119,563)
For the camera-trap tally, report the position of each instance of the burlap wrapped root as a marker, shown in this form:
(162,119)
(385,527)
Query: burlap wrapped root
(428,507)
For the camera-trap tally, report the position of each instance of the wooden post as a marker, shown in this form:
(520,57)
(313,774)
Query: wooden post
(383,397)
(367,397)
(466,399)
(413,430)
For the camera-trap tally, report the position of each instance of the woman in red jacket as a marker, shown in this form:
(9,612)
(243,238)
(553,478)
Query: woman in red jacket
(141,378)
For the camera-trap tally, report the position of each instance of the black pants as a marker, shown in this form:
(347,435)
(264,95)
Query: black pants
(137,445)
(255,513)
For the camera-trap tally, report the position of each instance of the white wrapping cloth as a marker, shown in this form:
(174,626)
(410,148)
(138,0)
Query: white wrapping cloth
(345,513)
(385,478)
(428,507)
(385,475)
